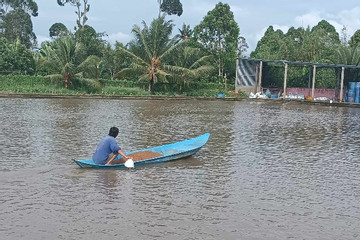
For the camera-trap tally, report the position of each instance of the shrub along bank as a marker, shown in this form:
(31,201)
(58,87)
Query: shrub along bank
(23,84)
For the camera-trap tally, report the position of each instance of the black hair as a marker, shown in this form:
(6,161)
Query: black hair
(114,131)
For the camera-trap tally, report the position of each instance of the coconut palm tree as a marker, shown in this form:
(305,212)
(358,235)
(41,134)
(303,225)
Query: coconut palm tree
(184,33)
(188,64)
(349,56)
(65,57)
(151,45)
(157,57)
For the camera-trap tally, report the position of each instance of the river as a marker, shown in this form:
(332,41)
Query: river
(271,170)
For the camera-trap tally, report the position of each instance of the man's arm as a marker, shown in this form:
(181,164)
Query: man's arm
(122,154)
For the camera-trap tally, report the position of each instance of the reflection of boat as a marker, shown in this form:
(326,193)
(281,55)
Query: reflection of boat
(162,153)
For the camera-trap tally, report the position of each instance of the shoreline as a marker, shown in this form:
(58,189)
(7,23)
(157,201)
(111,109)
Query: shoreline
(94,96)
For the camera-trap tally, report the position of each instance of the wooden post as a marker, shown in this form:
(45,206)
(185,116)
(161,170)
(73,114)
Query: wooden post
(285,79)
(260,75)
(236,73)
(342,84)
(256,78)
(313,83)
(309,82)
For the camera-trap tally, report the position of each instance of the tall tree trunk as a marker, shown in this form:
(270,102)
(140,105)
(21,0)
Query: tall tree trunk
(82,18)
(151,86)
(159,1)
(219,49)
(225,81)
(219,67)
(67,80)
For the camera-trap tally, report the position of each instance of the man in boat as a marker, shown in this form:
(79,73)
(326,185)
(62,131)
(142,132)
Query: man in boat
(108,149)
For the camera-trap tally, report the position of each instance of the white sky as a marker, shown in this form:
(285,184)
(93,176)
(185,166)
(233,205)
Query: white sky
(116,17)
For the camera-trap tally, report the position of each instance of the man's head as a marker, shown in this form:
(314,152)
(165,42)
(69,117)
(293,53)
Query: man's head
(114,131)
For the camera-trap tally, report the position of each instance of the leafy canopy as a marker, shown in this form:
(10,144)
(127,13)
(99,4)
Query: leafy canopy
(15,57)
(171,7)
(58,30)
(66,59)
(28,6)
(17,24)
(218,32)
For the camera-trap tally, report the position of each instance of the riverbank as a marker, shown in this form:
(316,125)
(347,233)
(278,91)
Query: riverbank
(159,97)
(40,85)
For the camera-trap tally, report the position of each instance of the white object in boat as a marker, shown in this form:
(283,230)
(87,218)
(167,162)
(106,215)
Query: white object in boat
(129,163)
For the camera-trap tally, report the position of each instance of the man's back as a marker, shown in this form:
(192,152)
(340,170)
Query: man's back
(106,146)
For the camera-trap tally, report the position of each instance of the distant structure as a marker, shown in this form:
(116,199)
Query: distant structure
(249,75)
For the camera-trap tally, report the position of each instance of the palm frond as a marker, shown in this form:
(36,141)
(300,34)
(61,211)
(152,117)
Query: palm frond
(143,78)
(200,62)
(142,39)
(90,64)
(173,48)
(133,56)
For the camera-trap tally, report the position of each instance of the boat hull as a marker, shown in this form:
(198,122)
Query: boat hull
(169,152)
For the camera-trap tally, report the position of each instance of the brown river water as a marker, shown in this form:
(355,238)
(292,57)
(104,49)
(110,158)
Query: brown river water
(270,170)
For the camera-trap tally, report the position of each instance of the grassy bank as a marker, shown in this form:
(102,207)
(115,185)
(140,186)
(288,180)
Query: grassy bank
(23,84)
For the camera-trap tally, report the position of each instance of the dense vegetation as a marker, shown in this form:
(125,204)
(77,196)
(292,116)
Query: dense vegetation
(320,44)
(198,61)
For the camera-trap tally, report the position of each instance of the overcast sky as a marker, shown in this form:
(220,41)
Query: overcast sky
(116,18)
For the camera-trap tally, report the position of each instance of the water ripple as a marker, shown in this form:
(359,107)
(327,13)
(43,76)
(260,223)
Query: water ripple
(269,171)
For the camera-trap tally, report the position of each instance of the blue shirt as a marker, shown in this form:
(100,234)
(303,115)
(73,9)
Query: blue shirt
(106,146)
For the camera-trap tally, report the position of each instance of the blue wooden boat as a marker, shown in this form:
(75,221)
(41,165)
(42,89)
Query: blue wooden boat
(168,152)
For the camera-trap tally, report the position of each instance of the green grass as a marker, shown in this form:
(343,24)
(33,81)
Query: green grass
(123,91)
(22,84)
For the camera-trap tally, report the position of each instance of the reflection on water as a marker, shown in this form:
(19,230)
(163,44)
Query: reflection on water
(269,171)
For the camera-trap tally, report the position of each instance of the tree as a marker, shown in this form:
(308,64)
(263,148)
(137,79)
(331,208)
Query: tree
(170,7)
(17,24)
(150,46)
(330,35)
(218,32)
(81,14)
(184,33)
(157,57)
(242,46)
(113,60)
(91,40)
(317,44)
(271,46)
(344,36)
(327,38)
(188,63)
(15,20)
(16,58)
(65,58)
(28,6)
(355,39)
(58,30)
(151,52)
(349,56)
(307,45)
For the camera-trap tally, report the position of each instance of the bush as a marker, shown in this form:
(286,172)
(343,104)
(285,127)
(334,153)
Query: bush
(122,83)
(86,85)
(109,90)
